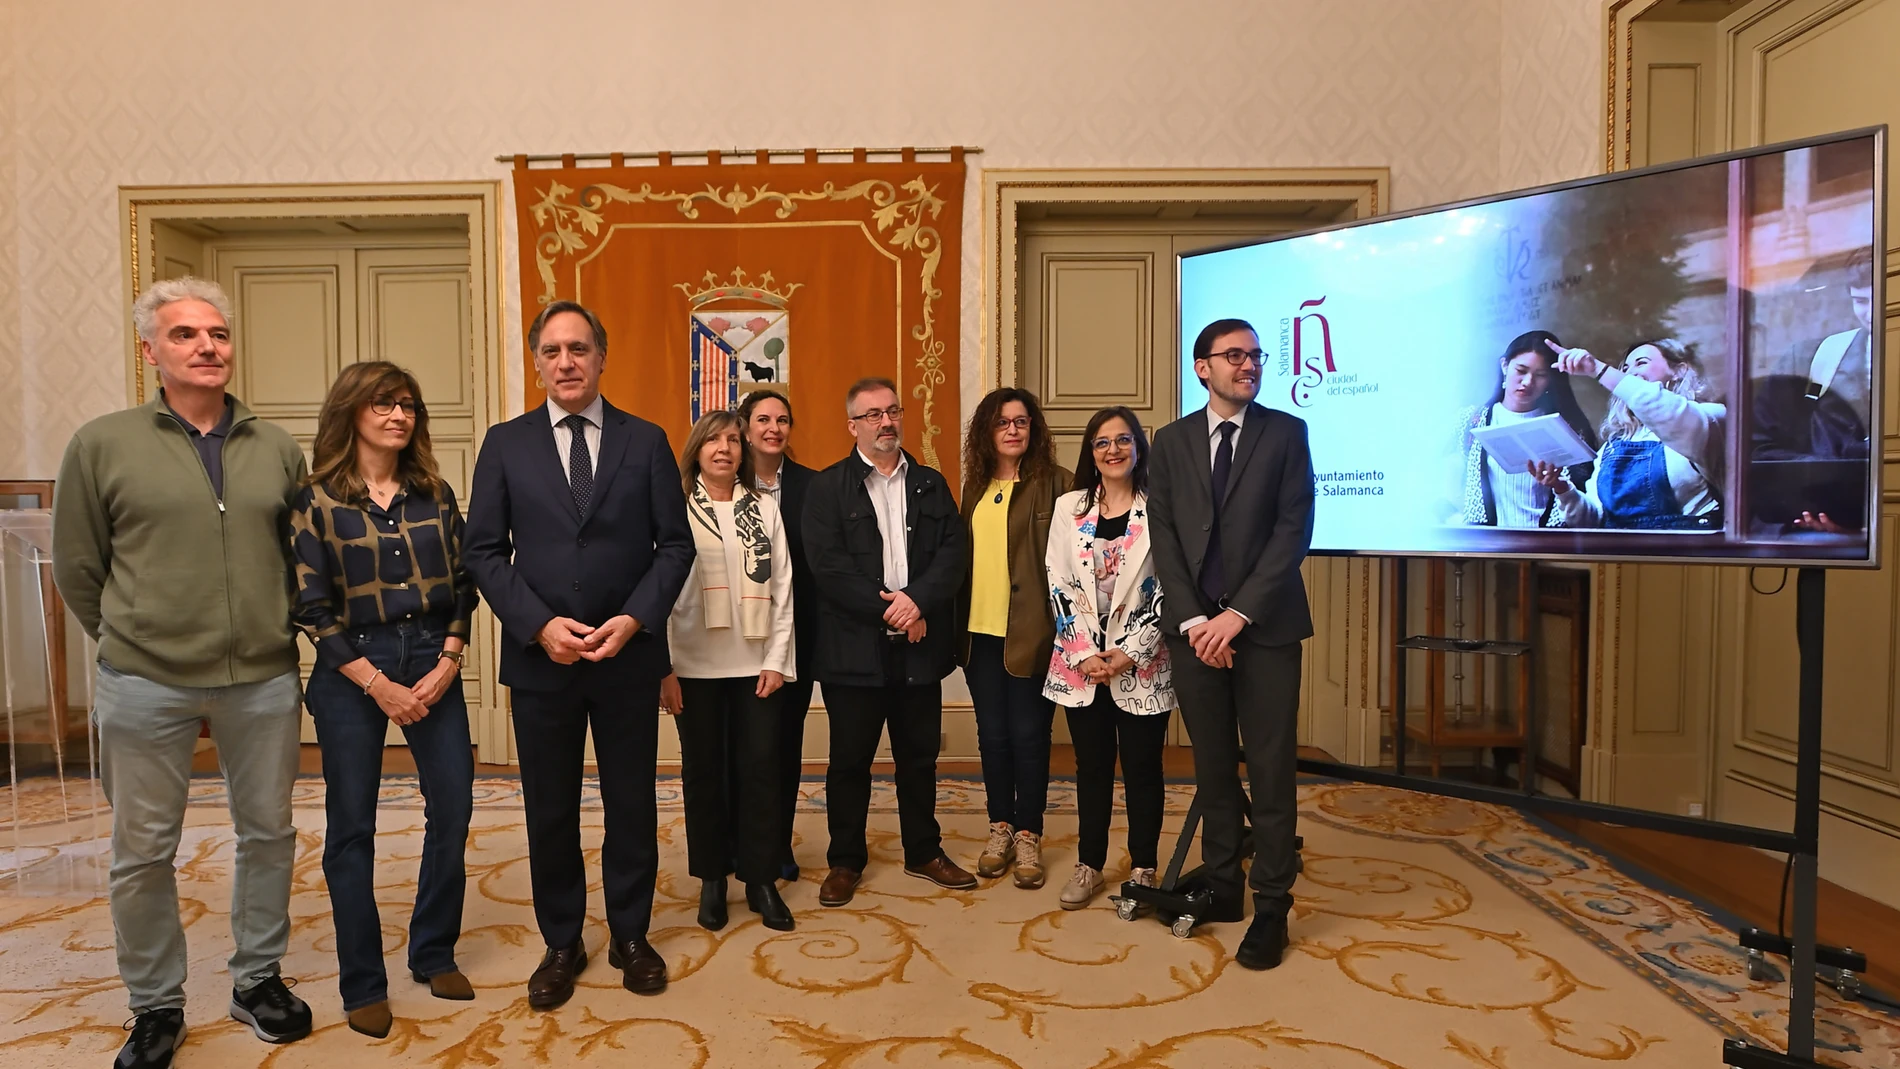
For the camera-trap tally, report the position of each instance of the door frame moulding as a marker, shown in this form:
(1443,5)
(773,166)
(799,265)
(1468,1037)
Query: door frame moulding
(478,203)
(1366,190)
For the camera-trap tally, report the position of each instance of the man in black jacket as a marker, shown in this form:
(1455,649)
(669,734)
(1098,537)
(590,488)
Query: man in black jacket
(886,545)
(1231,515)
(577,537)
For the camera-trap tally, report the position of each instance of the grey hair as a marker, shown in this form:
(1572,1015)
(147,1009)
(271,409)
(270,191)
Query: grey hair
(555,308)
(170,291)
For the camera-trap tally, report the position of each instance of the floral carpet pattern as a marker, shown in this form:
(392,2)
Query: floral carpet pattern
(1429,932)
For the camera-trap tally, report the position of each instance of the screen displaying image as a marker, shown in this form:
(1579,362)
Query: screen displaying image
(1683,361)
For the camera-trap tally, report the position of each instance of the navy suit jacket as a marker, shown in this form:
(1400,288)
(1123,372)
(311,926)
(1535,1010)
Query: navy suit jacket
(534,556)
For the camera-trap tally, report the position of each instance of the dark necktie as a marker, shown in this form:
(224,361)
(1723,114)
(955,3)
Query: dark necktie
(1213,569)
(580,463)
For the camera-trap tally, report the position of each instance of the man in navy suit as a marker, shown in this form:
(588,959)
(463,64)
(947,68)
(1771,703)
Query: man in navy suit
(577,537)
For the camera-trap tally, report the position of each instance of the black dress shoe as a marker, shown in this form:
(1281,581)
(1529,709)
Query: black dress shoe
(1264,943)
(642,970)
(553,980)
(712,904)
(763,899)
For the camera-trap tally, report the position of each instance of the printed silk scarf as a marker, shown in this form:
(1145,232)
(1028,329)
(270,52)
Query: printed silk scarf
(755,599)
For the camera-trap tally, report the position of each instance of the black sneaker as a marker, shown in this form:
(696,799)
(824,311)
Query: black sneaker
(276,1015)
(155,1035)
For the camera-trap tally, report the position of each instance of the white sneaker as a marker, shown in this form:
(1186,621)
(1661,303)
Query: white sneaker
(1029,874)
(998,852)
(1084,884)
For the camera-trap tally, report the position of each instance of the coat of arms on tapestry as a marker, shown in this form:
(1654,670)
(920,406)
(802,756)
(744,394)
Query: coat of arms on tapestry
(739,337)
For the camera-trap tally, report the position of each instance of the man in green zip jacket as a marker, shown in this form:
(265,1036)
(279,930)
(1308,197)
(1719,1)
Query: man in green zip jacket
(171,545)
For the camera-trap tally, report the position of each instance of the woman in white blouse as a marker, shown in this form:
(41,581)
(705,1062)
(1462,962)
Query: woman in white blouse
(732,643)
(1660,465)
(1109,668)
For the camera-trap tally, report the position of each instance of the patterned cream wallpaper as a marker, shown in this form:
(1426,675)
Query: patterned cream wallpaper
(1458,97)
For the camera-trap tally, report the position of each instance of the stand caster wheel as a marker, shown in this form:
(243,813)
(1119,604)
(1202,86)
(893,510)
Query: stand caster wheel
(1758,970)
(1125,908)
(1183,926)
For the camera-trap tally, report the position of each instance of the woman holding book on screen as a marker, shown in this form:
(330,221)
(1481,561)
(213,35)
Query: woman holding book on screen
(1497,494)
(1659,468)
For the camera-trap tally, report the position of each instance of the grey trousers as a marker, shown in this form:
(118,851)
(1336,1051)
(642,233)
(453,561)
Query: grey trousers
(147,732)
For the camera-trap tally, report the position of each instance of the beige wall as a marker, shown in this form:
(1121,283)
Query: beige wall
(94,95)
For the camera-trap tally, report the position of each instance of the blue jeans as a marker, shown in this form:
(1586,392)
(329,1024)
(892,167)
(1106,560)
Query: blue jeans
(1012,736)
(147,732)
(350,731)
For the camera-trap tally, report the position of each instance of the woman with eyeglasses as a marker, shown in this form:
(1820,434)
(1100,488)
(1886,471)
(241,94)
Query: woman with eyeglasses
(1110,667)
(767,418)
(733,649)
(382,593)
(1010,484)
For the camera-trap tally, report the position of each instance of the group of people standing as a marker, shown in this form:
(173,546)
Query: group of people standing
(189,537)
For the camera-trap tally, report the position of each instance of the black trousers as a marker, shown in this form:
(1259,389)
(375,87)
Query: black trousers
(791,759)
(729,775)
(1095,729)
(551,739)
(1012,736)
(858,716)
(1255,703)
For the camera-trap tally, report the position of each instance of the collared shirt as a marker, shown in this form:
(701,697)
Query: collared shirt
(774,489)
(1213,432)
(210,445)
(359,564)
(594,414)
(887,498)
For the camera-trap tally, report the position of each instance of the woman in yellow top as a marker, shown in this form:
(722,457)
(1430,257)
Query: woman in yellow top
(1010,484)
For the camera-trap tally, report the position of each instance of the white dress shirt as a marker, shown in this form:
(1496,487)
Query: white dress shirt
(594,413)
(772,489)
(1213,447)
(887,498)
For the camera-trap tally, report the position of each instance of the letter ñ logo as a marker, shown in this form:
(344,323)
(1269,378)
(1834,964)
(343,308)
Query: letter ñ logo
(1309,373)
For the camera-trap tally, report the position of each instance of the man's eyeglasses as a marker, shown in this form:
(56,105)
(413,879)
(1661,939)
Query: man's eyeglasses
(383,406)
(1120,441)
(1020,423)
(1237,357)
(877,415)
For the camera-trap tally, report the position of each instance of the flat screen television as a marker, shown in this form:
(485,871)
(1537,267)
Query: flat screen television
(1682,362)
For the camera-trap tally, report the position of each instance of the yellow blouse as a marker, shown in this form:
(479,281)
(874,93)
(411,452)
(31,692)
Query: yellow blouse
(989,572)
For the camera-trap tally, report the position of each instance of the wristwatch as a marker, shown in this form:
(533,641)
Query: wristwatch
(453,655)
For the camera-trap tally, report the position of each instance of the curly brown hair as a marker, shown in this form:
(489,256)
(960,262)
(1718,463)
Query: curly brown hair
(334,452)
(979,441)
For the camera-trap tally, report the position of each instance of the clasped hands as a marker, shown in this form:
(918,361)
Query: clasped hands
(903,614)
(1099,668)
(1213,640)
(567,640)
(406,705)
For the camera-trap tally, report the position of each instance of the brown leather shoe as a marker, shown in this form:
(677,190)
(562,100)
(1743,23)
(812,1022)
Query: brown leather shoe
(944,873)
(553,980)
(451,985)
(642,970)
(840,884)
(373,1020)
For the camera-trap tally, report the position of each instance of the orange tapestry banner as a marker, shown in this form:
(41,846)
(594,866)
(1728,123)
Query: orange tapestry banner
(716,280)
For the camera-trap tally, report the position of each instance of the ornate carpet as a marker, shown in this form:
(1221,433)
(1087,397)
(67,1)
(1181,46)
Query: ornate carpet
(1429,932)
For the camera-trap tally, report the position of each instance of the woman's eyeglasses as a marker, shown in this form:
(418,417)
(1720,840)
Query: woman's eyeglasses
(1020,423)
(1120,441)
(383,406)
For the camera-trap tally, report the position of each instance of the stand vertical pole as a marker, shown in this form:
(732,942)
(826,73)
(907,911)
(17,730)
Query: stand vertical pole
(1399,656)
(1810,618)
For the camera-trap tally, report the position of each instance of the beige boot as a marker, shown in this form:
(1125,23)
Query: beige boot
(997,853)
(1084,884)
(1028,860)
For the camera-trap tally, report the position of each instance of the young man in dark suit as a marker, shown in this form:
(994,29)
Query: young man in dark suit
(1231,508)
(887,547)
(577,537)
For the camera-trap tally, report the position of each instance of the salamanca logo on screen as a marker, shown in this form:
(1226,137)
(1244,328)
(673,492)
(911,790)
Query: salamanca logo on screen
(1306,356)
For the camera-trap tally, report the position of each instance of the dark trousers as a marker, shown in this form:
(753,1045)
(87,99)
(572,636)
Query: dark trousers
(729,774)
(1095,729)
(1012,736)
(1255,703)
(551,730)
(858,716)
(350,733)
(793,707)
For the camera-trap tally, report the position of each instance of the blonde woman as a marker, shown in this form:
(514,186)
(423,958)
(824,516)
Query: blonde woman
(383,595)
(1110,668)
(731,637)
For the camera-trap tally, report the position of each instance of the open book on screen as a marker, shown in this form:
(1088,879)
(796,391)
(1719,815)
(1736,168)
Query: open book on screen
(1547,438)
